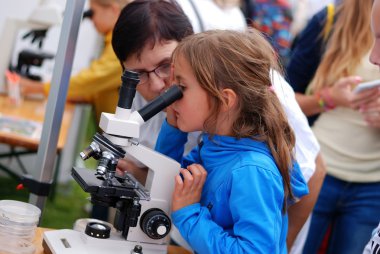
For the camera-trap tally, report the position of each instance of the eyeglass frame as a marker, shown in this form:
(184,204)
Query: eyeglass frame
(146,73)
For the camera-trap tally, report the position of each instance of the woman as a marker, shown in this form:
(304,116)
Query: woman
(345,129)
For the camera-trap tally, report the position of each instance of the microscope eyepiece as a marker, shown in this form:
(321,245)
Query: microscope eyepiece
(127,92)
(159,103)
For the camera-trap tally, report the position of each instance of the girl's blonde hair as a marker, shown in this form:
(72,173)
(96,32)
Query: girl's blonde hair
(350,40)
(242,62)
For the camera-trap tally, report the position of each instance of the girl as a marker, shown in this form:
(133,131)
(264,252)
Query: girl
(246,149)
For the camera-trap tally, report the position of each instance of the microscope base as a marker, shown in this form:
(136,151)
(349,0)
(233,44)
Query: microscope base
(67,241)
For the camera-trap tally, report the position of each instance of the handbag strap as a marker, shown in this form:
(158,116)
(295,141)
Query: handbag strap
(329,21)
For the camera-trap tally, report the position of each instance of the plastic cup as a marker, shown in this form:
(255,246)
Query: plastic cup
(15,245)
(18,223)
(19,213)
(14,93)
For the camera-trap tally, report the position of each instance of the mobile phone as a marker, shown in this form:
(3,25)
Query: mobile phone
(366,85)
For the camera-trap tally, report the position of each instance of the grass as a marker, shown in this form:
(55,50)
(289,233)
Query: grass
(61,211)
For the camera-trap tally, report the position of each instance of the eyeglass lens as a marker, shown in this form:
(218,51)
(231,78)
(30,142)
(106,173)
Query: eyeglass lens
(162,71)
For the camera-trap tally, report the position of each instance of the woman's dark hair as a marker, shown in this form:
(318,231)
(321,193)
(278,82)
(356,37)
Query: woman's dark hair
(148,21)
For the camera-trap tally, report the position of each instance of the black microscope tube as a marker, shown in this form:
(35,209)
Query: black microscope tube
(160,102)
(127,92)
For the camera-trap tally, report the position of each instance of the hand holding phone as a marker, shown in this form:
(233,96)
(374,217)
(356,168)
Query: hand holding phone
(366,85)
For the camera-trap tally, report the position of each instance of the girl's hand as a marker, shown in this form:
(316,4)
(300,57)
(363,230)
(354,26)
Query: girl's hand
(188,191)
(341,92)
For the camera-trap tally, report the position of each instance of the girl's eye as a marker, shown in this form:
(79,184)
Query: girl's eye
(182,87)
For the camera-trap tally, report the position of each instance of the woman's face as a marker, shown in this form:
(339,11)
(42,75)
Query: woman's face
(154,66)
(104,16)
(193,109)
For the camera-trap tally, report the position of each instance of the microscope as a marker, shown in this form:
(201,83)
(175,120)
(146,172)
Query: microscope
(28,58)
(142,220)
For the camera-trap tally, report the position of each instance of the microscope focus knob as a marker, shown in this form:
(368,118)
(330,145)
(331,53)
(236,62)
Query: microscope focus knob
(155,223)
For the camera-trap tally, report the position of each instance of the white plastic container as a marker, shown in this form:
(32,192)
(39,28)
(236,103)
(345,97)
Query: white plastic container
(14,212)
(15,245)
(18,223)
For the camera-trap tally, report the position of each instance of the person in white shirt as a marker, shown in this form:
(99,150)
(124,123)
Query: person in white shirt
(209,14)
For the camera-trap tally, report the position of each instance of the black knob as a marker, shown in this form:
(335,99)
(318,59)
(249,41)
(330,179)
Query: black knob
(98,230)
(137,250)
(155,223)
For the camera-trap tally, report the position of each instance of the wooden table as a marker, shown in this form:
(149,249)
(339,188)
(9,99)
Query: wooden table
(39,250)
(33,110)
(29,110)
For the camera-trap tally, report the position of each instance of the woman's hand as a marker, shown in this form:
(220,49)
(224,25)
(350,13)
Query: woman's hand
(341,92)
(188,191)
(370,109)
(368,104)
(364,98)
(125,165)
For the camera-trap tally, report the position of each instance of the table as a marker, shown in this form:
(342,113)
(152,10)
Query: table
(39,249)
(29,111)
(33,110)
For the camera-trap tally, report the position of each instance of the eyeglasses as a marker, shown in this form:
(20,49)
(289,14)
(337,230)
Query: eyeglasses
(162,71)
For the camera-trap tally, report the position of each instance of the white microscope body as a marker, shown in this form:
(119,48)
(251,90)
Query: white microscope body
(144,211)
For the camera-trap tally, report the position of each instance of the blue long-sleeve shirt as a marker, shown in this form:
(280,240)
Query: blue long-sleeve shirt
(240,210)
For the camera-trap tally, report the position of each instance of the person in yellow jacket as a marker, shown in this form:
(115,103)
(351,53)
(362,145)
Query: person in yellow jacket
(99,83)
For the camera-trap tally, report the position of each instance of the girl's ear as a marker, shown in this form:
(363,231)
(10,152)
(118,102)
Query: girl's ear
(230,98)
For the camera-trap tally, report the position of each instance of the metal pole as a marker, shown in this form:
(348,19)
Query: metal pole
(47,149)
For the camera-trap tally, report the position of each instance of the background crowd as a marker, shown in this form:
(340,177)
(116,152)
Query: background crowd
(323,50)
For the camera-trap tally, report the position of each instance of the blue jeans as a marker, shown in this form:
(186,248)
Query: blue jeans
(352,210)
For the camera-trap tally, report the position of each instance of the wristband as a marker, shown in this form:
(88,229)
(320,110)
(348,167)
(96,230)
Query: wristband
(325,100)
(329,102)
(321,102)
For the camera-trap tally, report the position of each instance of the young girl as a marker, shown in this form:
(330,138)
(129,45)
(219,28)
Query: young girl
(246,152)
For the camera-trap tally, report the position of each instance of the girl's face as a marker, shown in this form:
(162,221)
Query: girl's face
(193,108)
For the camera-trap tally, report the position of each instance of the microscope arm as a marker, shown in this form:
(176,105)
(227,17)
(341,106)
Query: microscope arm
(162,168)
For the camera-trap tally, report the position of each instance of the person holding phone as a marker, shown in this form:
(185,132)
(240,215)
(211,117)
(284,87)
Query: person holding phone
(373,245)
(346,128)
